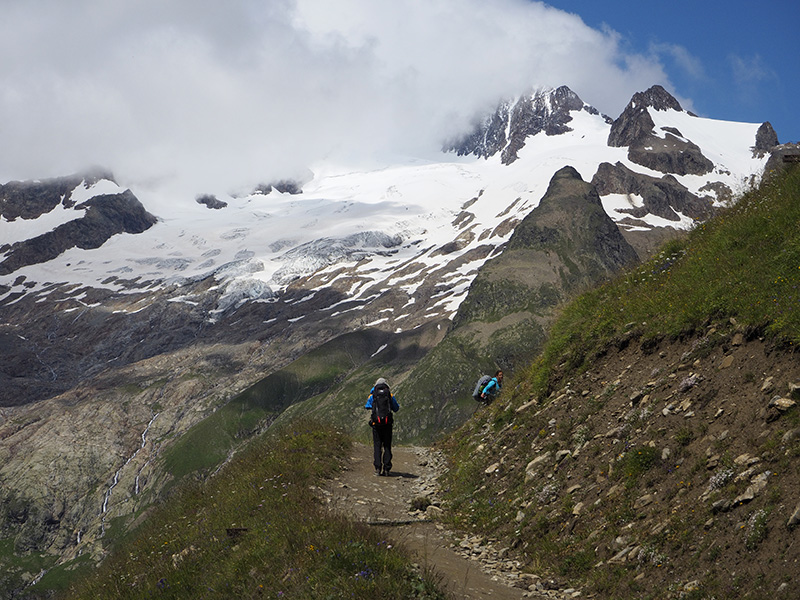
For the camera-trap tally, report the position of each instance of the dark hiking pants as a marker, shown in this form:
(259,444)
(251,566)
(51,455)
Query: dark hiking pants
(382,446)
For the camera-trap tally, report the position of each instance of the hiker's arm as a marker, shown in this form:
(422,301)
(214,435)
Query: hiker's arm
(395,405)
(369,402)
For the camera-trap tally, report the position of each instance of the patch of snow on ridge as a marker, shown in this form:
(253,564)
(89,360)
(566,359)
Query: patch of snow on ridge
(379,350)
(727,144)
(21,229)
(83,192)
(615,204)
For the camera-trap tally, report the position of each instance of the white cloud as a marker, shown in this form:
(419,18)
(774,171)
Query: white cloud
(227,94)
(684,60)
(749,73)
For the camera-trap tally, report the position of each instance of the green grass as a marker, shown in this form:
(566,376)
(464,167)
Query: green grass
(636,462)
(743,264)
(257,530)
(207,444)
(12,564)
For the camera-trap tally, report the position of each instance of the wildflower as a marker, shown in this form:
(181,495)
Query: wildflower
(365,573)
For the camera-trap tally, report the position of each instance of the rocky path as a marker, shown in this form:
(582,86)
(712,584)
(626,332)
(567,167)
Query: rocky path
(469,567)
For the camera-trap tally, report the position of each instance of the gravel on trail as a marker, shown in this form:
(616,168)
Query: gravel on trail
(405,505)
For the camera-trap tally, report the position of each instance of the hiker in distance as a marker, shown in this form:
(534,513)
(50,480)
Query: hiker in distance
(382,404)
(493,387)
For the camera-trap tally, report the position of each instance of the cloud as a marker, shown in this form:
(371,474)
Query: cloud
(749,73)
(230,94)
(683,59)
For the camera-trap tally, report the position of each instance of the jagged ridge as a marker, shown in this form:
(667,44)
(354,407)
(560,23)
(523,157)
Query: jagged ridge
(506,130)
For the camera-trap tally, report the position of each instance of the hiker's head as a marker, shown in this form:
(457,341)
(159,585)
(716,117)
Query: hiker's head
(381,381)
(499,374)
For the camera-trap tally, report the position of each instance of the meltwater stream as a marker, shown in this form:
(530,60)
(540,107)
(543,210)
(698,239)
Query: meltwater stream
(115,480)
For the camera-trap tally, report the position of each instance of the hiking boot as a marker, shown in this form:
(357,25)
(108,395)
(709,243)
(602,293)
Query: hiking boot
(378,473)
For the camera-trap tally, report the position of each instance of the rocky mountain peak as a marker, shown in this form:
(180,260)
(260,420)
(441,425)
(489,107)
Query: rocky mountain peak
(667,150)
(766,139)
(571,214)
(566,243)
(506,130)
(656,97)
(635,122)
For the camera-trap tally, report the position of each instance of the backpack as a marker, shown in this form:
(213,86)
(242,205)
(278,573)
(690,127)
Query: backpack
(381,405)
(480,385)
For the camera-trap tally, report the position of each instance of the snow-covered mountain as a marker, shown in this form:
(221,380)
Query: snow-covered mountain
(127,316)
(372,222)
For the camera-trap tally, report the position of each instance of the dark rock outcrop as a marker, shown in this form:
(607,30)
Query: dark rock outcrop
(766,139)
(666,151)
(211,201)
(671,154)
(284,186)
(662,197)
(32,199)
(782,156)
(105,216)
(488,136)
(548,112)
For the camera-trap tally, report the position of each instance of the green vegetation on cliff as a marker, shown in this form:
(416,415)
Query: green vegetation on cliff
(651,450)
(743,264)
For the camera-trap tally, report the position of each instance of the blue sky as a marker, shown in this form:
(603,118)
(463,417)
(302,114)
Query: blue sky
(736,60)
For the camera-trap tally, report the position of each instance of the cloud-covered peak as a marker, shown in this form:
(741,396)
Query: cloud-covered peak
(235,94)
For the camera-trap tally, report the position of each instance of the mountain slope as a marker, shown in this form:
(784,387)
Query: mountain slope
(109,355)
(650,451)
(564,245)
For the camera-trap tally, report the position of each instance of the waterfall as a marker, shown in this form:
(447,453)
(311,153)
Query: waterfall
(115,480)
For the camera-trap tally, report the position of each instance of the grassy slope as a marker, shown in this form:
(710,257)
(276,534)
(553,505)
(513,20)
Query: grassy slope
(739,273)
(208,444)
(257,530)
(343,404)
(743,264)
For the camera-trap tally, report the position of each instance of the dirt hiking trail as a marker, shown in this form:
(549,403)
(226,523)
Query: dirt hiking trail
(468,568)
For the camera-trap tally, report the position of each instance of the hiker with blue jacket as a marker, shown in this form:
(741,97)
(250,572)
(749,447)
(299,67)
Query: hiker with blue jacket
(382,403)
(493,387)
